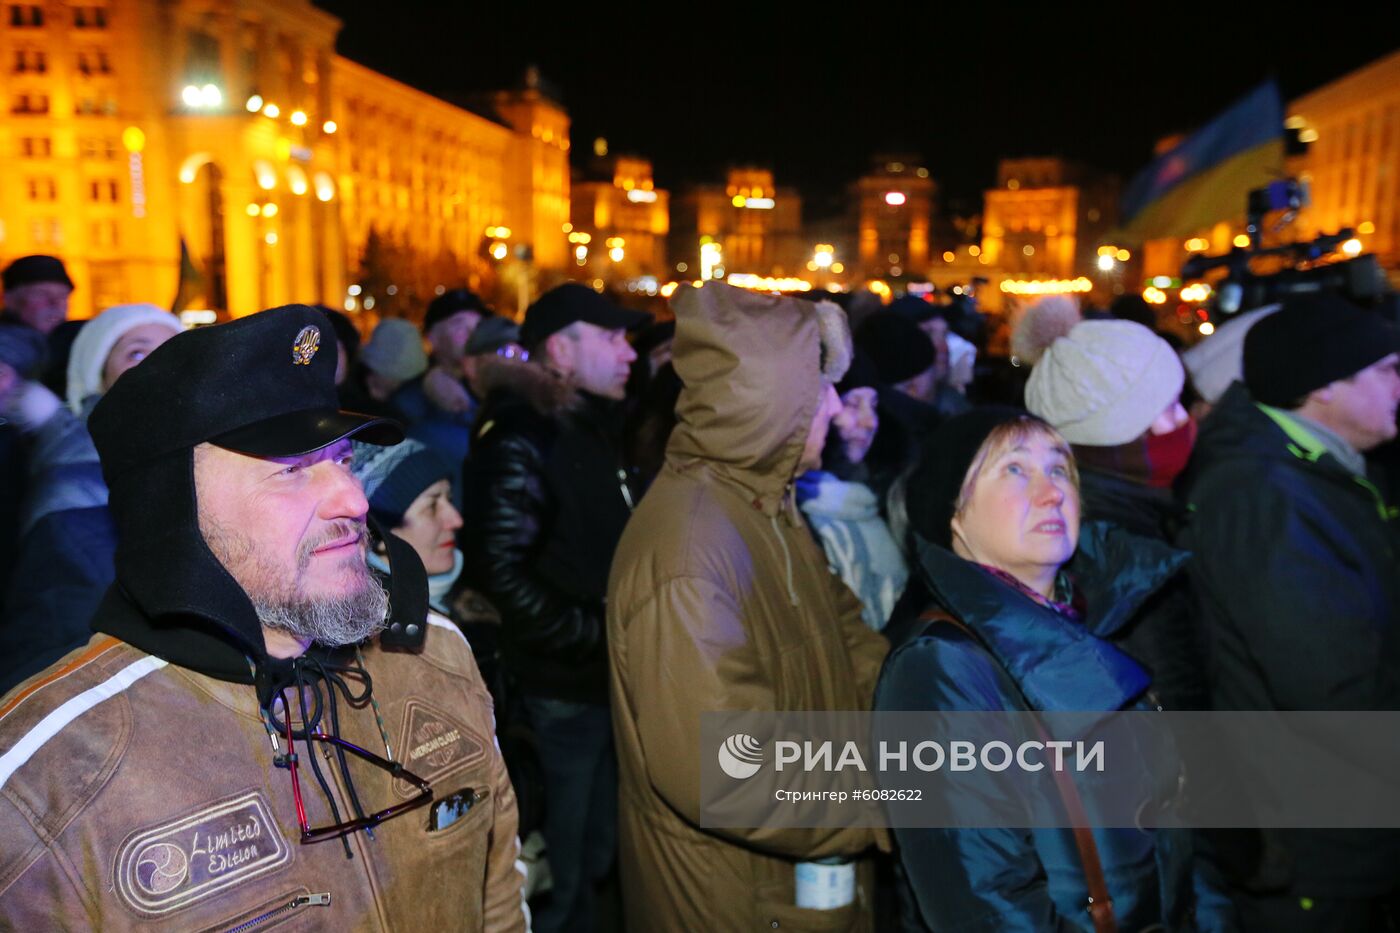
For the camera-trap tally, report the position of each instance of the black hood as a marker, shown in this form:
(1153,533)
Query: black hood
(173,598)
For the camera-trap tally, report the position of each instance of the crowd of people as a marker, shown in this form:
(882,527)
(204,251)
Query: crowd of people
(523,558)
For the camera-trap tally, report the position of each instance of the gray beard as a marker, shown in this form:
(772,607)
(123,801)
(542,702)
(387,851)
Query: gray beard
(345,620)
(340,620)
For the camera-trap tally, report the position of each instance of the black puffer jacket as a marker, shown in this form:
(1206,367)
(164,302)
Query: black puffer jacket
(1164,635)
(545,500)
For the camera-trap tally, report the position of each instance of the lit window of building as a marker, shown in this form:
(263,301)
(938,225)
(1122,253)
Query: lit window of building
(90,17)
(26,15)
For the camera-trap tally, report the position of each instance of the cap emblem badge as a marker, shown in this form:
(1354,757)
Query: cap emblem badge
(307,343)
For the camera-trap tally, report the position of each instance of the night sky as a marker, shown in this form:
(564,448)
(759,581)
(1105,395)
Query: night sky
(699,87)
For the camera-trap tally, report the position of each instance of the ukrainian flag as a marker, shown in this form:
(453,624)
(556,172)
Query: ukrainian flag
(1204,179)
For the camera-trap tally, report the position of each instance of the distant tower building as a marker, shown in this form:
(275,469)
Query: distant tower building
(749,225)
(617,202)
(1045,218)
(895,202)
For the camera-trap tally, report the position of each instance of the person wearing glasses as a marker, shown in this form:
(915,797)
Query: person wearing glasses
(262,728)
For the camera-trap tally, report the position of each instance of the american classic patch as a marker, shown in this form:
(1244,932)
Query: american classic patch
(436,745)
(173,865)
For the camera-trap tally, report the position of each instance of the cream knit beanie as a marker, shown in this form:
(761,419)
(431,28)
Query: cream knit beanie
(1103,383)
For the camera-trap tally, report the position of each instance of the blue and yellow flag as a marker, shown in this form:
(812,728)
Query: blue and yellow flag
(1204,179)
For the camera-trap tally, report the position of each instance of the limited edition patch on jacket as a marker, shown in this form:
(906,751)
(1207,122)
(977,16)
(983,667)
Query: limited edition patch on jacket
(175,864)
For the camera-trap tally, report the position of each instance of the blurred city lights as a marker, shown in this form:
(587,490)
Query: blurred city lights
(498,250)
(1242,241)
(765,284)
(1352,247)
(1046,286)
(894,198)
(298,118)
(1106,263)
(272,110)
(1206,328)
(255,103)
(329,127)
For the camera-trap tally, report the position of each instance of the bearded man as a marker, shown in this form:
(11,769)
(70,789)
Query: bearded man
(212,758)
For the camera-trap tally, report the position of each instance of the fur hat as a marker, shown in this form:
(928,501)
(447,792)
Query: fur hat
(1100,383)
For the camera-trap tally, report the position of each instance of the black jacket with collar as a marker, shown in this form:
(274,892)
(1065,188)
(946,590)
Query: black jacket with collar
(1294,569)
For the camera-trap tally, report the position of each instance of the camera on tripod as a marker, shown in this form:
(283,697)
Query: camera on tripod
(1257,275)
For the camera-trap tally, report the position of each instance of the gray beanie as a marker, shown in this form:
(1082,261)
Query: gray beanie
(395,350)
(1105,382)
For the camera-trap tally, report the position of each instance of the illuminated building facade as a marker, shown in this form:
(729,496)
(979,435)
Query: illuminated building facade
(132,128)
(1352,163)
(1046,218)
(620,221)
(895,205)
(748,226)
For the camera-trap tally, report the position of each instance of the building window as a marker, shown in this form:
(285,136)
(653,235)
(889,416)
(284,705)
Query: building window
(46,231)
(94,62)
(36,147)
(24,15)
(90,105)
(30,61)
(96,147)
(105,234)
(43,189)
(90,17)
(30,104)
(103,190)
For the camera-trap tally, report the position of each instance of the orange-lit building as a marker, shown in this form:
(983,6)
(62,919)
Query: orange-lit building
(620,221)
(895,204)
(748,226)
(1352,165)
(1045,219)
(131,127)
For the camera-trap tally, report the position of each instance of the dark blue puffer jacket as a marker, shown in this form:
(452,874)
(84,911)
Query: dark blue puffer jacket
(1032,879)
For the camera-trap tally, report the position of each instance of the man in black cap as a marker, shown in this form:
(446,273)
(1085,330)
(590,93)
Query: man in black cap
(37,289)
(546,499)
(232,734)
(439,407)
(1294,568)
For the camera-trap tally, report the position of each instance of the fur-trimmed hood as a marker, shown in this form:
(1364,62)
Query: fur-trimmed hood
(753,366)
(546,391)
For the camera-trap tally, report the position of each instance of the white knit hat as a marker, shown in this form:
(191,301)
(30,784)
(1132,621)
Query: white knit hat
(95,341)
(1218,360)
(1105,382)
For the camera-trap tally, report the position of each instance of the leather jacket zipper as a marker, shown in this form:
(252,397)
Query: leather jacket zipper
(301,900)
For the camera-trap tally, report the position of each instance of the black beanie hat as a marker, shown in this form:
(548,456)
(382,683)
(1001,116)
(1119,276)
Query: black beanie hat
(453,301)
(936,481)
(31,270)
(896,345)
(861,374)
(1312,342)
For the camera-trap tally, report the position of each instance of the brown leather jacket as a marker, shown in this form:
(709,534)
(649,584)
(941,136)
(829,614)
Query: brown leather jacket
(720,599)
(137,794)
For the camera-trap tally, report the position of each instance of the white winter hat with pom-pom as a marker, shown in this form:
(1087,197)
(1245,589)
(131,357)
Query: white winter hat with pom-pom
(1101,383)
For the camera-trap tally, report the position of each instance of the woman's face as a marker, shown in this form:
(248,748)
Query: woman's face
(430,525)
(1022,514)
(131,348)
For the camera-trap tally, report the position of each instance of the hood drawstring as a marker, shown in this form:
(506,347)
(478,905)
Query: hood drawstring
(307,675)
